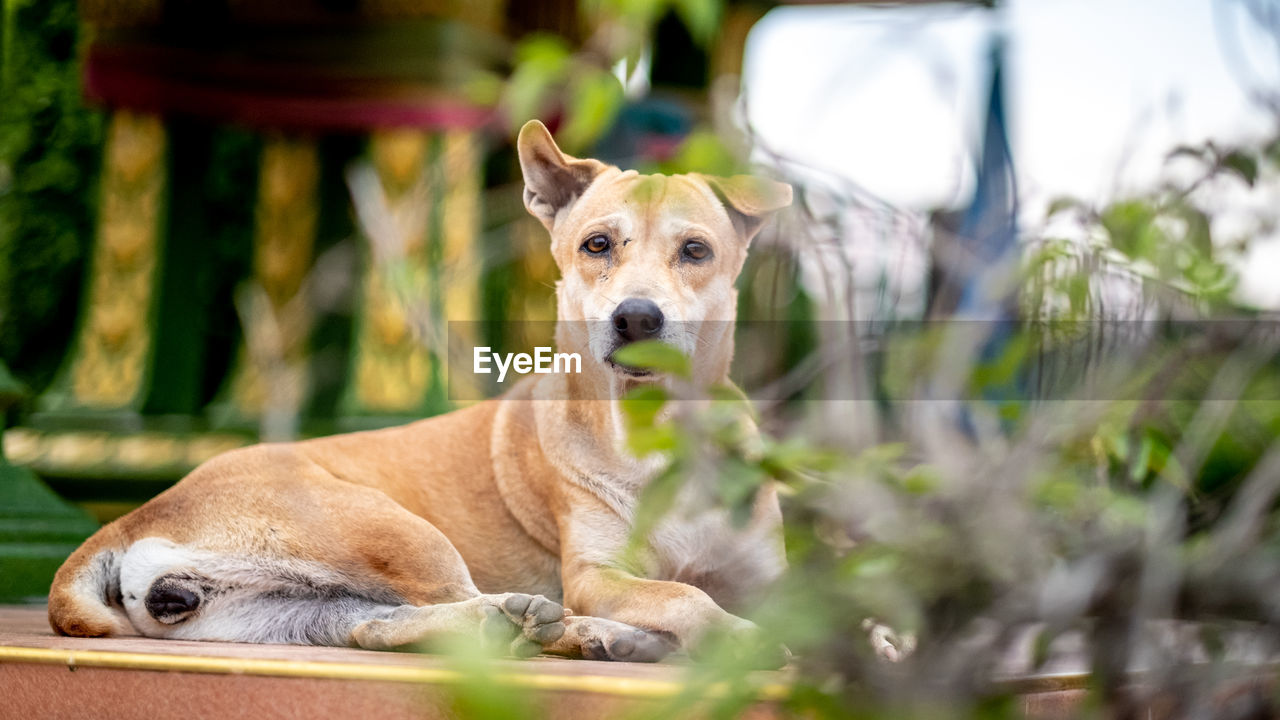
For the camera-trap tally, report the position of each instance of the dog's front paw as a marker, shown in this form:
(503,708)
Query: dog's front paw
(522,624)
(593,638)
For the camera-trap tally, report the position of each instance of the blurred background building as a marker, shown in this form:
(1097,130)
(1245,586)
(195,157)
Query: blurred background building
(224,221)
(229,221)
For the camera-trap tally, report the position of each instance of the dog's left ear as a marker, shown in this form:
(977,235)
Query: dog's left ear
(750,200)
(552,180)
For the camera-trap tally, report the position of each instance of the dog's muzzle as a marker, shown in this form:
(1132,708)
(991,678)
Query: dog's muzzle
(637,319)
(633,320)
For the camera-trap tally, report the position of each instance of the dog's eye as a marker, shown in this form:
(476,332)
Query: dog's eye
(597,245)
(696,250)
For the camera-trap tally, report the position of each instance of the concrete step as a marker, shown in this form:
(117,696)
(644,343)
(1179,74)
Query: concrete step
(43,675)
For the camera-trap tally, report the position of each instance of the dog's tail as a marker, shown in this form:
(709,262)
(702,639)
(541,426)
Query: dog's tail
(85,597)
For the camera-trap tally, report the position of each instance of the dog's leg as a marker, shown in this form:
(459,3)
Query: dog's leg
(593,638)
(515,622)
(590,542)
(175,591)
(303,558)
(681,611)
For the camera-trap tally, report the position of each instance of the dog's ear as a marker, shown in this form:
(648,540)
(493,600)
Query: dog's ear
(552,180)
(750,200)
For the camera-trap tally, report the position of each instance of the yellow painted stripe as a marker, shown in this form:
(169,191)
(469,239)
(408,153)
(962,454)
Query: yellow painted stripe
(647,688)
(638,688)
(1044,683)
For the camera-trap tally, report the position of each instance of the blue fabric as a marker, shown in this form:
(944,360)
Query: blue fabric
(989,229)
(989,232)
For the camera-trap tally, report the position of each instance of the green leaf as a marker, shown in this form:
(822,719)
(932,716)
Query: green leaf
(1059,204)
(921,480)
(1272,151)
(703,151)
(656,499)
(654,355)
(641,405)
(542,50)
(1142,462)
(542,63)
(660,438)
(737,488)
(640,410)
(701,17)
(1129,224)
(595,98)
(1186,151)
(1242,164)
(1199,233)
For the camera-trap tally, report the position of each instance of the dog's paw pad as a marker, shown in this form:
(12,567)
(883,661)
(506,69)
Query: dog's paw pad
(640,646)
(516,605)
(496,629)
(608,640)
(537,620)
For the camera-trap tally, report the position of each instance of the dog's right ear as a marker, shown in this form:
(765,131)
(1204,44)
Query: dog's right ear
(552,180)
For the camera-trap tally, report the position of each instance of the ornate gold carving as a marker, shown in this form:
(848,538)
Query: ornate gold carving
(71,453)
(461,225)
(271,367)
(392,359)
(115,339)
(286,216)
(147,450)
(400,156)
(200,448)
(22,446)
(530,300)
(462,258)
(77,450)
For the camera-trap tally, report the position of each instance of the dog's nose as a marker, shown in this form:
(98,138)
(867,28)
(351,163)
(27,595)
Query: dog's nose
(637,319)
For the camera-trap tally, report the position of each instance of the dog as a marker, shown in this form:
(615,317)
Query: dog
(489,521)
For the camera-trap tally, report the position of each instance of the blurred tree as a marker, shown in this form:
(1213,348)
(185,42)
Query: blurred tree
(50,148)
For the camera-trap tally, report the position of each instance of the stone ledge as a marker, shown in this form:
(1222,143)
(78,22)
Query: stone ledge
(50,676)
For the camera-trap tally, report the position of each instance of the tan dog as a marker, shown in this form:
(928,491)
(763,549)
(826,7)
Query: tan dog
(482,521)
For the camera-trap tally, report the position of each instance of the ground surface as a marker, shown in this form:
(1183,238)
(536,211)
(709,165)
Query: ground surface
(43,675)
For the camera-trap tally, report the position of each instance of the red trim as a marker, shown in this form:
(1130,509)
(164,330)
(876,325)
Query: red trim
(113,80)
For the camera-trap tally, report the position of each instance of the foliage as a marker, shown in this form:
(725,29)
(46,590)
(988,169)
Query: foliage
(1165,238)
(552,79)
(1139,527)
(49,148)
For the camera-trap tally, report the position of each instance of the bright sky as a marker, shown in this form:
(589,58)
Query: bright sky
(1098,92)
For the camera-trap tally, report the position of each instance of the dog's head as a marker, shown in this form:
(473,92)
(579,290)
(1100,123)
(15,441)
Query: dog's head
(644,257)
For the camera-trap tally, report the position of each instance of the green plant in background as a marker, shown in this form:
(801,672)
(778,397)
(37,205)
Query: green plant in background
(551,77)
(1164,238)
(985,552)
(1089,525)
(1137,530)
(50,145)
